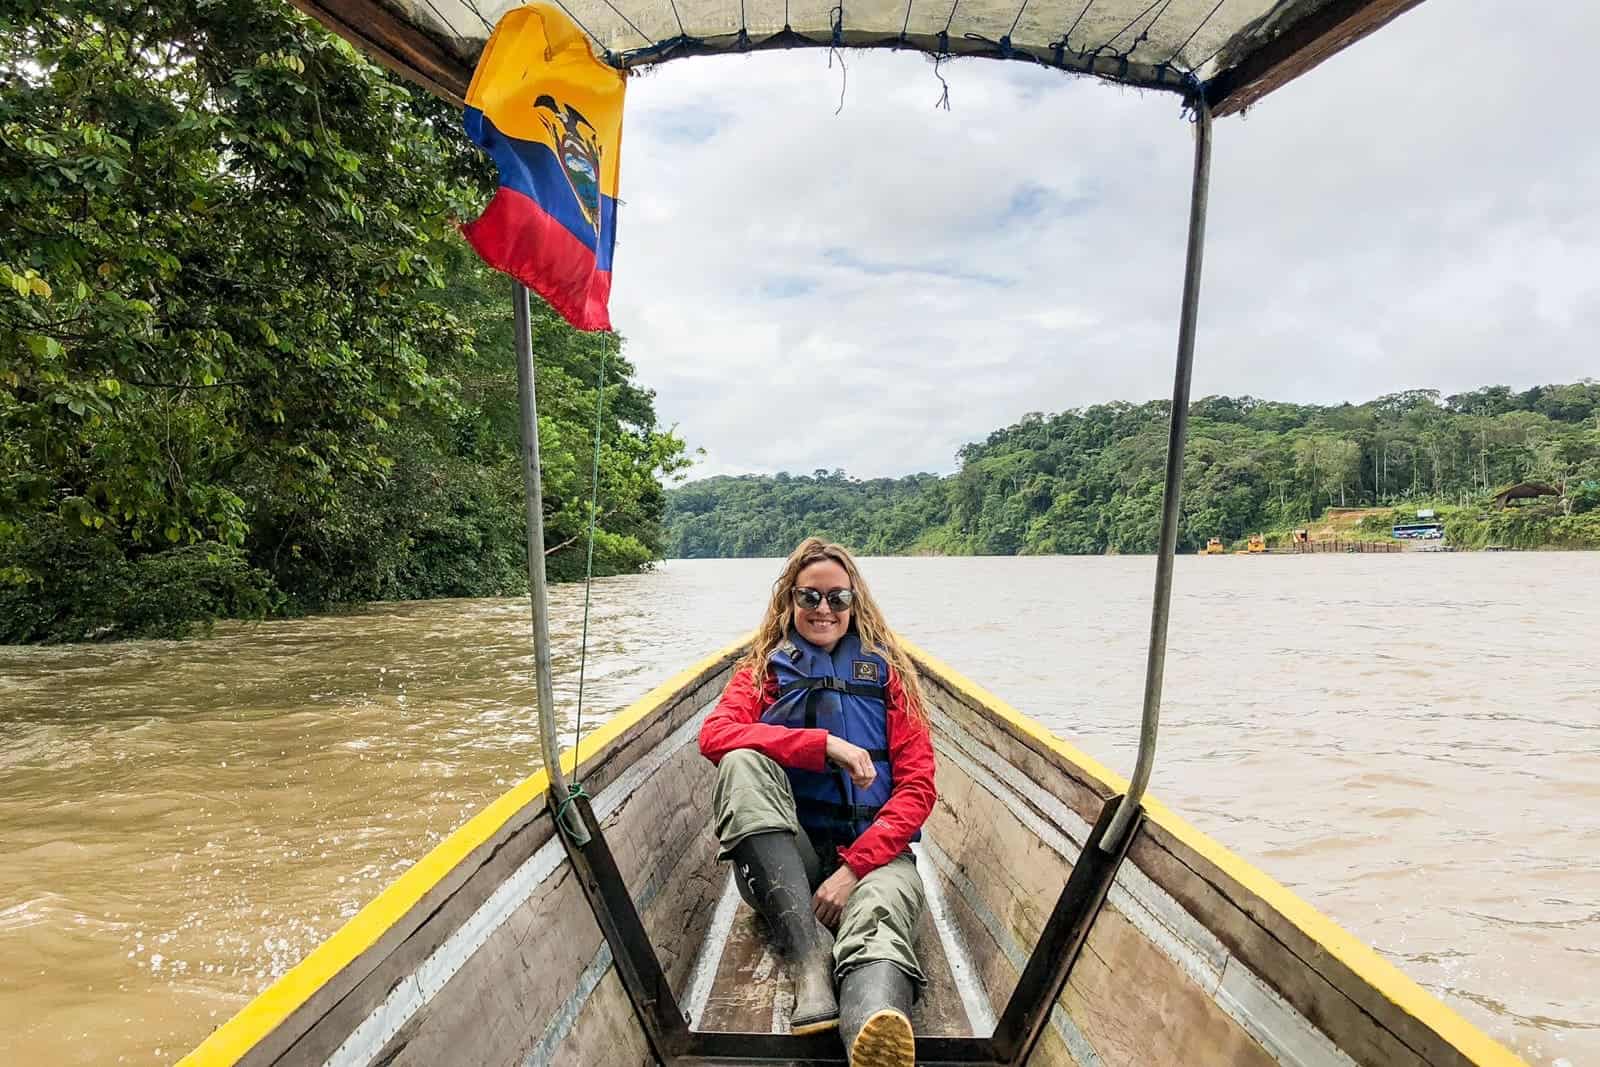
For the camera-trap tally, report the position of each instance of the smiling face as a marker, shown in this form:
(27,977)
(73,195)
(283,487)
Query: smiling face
(822,626)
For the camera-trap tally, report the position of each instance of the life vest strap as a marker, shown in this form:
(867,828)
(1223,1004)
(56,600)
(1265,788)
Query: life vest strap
(838,685)
(849,814)
(876,755)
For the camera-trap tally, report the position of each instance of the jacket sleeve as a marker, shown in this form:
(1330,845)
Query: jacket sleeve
(736,723)
(912,796)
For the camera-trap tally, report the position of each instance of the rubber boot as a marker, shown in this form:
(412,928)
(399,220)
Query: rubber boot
(773,878)
(875,1016)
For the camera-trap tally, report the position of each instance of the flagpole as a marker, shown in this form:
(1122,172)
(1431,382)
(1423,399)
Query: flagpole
(533,493)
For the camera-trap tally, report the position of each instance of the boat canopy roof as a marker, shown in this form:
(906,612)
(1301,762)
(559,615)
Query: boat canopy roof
(1235,51)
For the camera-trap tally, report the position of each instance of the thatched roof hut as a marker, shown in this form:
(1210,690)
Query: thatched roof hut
(1523,491)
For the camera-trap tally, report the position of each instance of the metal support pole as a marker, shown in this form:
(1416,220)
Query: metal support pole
(1177,434)
(533,495)
(1045,975)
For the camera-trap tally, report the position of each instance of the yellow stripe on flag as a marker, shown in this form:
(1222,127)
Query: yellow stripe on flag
(539,81)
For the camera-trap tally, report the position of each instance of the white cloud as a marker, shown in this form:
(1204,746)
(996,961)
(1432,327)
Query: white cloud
(872,289)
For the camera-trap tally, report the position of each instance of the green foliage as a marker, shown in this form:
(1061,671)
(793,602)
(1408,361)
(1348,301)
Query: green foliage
(89,590)
(236,320)
(1090,480)
(1585,498)
(750,516)
(1527,526)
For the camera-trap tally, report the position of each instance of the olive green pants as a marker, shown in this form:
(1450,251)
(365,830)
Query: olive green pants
(880,917)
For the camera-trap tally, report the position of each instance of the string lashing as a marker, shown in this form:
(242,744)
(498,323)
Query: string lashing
(588,566)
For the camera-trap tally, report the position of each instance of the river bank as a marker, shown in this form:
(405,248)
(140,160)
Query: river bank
(1528,527)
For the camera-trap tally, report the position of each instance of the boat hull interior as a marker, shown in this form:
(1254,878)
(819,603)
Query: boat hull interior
(487,951)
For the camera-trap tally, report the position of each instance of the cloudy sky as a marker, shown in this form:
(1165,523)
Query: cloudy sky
(870,290)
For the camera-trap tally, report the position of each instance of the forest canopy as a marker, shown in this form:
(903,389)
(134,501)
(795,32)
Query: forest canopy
(1089,480)
(247,365)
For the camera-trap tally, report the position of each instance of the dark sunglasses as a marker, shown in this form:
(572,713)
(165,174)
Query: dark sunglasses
(811,599)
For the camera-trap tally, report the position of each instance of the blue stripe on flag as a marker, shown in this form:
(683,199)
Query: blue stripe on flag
(532,169)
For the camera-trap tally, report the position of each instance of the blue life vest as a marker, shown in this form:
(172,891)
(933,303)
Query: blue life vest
(845,693)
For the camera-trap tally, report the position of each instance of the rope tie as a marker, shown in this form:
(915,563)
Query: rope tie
(1144,34)
(844,74)
(1131,24)
(1066,37)
(575,790)
(1190,112)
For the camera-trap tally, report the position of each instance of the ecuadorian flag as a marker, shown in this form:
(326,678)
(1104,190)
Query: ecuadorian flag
(550,114)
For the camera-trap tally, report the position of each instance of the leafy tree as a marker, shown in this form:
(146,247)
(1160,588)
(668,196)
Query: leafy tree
(246,365)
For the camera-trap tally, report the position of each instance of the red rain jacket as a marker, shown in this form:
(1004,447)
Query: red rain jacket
(736,723)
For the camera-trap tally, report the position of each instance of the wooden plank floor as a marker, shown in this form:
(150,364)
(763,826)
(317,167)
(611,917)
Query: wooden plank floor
(752,992)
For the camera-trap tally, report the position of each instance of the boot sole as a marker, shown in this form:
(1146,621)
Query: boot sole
(885,1040)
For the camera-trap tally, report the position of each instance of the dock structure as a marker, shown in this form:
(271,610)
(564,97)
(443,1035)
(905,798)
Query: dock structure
(1339,545)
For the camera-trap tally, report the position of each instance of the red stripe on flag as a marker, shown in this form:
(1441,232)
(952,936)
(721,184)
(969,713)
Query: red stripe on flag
(515,235)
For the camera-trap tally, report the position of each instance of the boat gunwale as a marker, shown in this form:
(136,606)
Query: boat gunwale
(1166,828)
(276,1005)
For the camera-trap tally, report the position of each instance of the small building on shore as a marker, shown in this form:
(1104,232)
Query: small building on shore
(1523,491)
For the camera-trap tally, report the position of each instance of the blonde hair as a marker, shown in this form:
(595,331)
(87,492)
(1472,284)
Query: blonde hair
(865,619)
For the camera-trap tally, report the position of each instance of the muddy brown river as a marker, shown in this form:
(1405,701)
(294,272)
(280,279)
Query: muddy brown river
(1410,742)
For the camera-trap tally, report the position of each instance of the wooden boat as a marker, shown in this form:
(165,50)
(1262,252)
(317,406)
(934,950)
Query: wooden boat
(1071,919)
(486,952)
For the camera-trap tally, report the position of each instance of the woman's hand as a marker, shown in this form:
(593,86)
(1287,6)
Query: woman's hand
(854,759)
(827,904)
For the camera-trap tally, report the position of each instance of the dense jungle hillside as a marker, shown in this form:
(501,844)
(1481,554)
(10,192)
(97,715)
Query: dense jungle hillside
(1089,480)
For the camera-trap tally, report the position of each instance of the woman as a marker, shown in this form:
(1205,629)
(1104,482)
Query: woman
(825,775)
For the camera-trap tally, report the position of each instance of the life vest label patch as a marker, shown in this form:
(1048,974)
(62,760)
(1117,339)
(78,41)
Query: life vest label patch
(866,670)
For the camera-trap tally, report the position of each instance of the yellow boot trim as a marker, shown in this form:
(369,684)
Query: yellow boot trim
(885,1040)
(815,1027)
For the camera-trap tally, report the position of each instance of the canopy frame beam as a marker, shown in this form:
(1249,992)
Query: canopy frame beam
(424,54)
(1328,29)
(380,32)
